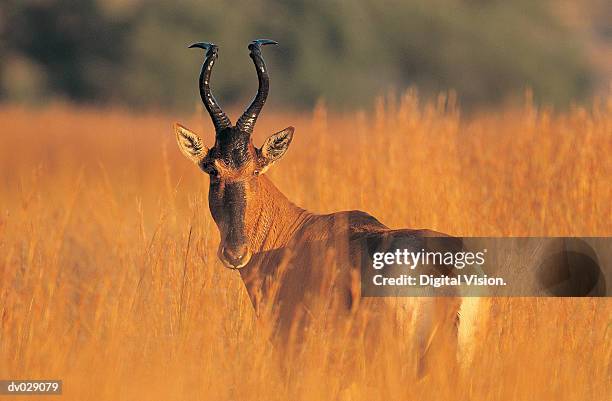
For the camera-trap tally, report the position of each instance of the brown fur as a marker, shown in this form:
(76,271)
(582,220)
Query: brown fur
(304,268)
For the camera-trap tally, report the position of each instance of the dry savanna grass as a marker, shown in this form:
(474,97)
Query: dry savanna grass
(109,278)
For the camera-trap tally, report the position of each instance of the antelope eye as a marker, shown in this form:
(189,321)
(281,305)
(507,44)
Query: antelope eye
(211,170)
(256,172)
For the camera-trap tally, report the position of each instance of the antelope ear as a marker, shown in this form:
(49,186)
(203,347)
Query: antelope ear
(190,143)
(275,147)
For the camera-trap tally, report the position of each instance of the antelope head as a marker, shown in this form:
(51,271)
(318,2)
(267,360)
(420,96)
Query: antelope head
(234,164)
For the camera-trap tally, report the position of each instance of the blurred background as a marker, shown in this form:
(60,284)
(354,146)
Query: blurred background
(134,52)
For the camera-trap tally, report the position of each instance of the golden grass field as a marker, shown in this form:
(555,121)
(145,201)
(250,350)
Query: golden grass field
(109,278)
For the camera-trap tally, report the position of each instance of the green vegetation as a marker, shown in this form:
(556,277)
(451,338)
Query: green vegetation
(346,51)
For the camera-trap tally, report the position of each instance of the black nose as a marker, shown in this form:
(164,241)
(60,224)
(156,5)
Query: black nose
(235,257)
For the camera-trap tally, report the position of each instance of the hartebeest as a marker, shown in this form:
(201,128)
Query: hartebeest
(304,263)
(262,231)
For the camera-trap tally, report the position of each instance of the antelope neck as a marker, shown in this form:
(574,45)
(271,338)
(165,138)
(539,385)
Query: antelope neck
(276,219)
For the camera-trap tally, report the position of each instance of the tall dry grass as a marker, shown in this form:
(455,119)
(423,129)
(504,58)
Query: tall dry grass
(109,279)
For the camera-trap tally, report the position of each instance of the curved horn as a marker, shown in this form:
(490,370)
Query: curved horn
(219,118)
(246,122)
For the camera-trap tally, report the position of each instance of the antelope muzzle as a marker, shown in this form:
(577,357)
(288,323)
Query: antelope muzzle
(234,257)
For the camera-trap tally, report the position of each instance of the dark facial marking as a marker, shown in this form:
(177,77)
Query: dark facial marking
(227,205)
(232,147)
(235,205)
